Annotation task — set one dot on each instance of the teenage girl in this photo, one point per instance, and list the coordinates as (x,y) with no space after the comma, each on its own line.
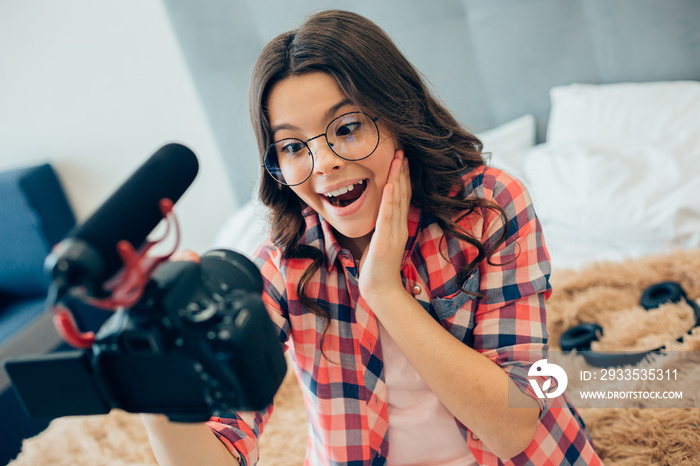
(407,279)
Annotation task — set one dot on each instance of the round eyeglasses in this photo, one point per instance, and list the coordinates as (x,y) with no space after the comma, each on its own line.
(351,136)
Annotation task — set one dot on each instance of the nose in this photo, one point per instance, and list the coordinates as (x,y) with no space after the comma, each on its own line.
(325,160)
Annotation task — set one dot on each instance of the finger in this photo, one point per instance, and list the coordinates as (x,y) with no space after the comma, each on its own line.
(406,192)
(400,203)
(401,170)
(185,255)
(398,200)
(396,167)
(386,210)
(392,196)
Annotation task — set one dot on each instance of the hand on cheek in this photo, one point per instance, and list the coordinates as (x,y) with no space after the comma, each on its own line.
(380,265)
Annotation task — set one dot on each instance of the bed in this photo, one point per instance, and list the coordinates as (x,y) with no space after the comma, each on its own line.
(579,177)
(610,153)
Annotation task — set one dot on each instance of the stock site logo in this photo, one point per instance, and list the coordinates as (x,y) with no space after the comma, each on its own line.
(544,369)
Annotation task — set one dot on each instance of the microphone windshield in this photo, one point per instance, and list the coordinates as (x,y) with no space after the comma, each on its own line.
(132,212)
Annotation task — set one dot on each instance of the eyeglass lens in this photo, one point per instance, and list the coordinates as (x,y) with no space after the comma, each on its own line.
(353,136)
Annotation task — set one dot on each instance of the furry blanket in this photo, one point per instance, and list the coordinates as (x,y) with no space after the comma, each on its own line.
(604,293)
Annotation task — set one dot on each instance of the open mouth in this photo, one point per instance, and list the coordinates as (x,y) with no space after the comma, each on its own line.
(346,196)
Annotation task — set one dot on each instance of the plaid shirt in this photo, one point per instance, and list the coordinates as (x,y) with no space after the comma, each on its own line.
(347,402)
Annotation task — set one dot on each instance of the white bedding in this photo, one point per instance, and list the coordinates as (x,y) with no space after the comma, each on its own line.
(611,204)
(619,175)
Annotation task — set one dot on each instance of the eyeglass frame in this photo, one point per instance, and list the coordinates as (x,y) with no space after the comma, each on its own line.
(330,146)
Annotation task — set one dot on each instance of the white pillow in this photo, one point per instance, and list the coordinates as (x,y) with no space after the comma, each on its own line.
(508,142)
(611,204)
(616,115)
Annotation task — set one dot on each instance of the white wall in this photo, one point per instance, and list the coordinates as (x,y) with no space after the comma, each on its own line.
(95,88)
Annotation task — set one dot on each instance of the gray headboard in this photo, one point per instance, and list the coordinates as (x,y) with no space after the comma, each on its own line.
(489,60)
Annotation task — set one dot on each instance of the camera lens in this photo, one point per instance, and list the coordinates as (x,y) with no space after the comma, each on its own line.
(225,270)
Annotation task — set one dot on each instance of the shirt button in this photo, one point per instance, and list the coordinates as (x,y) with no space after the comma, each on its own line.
(416,290)
(474,436)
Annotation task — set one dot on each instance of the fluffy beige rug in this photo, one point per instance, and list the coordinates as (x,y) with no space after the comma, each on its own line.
(604,293)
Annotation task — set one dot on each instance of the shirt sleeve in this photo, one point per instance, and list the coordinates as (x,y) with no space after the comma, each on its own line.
(510,322)
(240,438)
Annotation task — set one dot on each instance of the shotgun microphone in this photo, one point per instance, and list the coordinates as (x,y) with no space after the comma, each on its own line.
(88,256)
(199,326)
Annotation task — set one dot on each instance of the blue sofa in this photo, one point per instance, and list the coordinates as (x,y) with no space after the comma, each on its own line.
(34,215)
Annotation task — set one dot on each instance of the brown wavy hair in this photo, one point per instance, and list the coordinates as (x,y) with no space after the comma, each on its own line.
(376,77)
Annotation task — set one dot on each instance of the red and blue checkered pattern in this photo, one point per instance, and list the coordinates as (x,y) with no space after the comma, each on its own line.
(345,394)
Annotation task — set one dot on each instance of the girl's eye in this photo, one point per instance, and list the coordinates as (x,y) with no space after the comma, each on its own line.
(292,149)
(347,129)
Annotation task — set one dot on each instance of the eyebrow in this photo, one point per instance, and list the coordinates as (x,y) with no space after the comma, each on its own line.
(327,116)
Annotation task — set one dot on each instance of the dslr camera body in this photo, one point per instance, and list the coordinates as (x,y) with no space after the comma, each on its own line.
(198,342)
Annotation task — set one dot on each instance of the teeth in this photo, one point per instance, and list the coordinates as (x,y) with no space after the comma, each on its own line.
(341,191)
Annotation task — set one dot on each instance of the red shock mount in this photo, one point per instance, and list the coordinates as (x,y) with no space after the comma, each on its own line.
(126,287)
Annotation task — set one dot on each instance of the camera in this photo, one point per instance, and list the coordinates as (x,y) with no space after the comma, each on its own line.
(198,342)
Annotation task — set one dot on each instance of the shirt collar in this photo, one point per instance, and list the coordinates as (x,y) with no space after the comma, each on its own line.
(320,233)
